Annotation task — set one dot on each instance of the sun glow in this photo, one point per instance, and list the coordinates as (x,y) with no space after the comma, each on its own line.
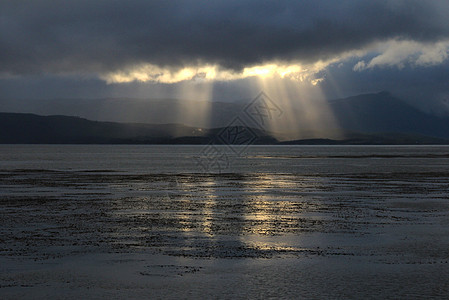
(153,73)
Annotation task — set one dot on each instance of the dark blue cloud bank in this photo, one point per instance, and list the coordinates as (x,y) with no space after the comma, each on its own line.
(149,48)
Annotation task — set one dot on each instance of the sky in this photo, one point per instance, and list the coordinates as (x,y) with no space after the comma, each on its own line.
(224,50)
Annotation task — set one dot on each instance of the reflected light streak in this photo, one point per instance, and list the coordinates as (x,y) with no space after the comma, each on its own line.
(196,199)
(263,212)
(210,195)
(205,198)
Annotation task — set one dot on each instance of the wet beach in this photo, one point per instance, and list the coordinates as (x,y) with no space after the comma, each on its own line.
(313,222)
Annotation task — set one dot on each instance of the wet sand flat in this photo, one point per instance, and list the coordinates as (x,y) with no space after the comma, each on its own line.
(115,233)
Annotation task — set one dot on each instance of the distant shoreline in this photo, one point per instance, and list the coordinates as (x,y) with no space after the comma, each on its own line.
(22,128)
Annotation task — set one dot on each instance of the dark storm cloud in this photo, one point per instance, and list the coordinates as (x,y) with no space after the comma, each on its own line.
(422,87)
(88,36)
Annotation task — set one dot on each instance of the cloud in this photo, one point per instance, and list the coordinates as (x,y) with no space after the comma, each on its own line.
(169,41)
(398,53)
(361,65)
(434,55)
(148,72)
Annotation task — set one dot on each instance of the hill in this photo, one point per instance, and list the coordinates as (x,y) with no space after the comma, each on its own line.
(362,118)
(35,129)
(384,113)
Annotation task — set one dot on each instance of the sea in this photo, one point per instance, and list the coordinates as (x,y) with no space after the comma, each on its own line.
(224,221)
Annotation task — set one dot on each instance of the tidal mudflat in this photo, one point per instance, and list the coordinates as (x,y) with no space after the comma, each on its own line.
(292,222)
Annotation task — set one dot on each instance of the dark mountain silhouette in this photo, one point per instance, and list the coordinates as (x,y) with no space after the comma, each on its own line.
(34,129)
(30,128)
(127,110)
(382,113)
(377,118)
(368,113)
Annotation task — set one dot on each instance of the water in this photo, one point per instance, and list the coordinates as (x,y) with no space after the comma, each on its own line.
(254,159)
(310,221)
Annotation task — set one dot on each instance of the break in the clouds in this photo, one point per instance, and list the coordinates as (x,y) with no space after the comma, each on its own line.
(172,41)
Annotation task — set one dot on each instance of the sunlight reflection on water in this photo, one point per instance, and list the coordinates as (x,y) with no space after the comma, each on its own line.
(383,211)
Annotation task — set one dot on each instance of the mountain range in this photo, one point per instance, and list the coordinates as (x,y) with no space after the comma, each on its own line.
(378,118)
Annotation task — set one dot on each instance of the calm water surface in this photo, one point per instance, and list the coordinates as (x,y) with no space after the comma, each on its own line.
(189,159)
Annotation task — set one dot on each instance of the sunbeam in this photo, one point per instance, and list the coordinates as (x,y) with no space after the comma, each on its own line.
(306,113)
(194,107)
